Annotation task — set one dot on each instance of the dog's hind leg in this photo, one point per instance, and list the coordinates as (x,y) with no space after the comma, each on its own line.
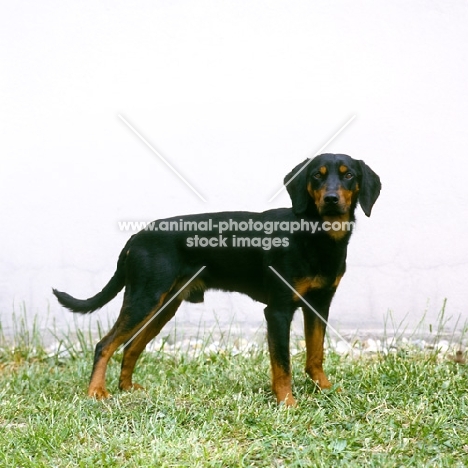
(136,311)
(135,348)
(103,352)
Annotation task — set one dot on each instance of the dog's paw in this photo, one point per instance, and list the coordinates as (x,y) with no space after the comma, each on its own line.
(100,393)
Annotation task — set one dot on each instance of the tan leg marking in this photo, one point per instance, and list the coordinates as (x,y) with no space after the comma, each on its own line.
(314,336)
(281,385)
(137,346)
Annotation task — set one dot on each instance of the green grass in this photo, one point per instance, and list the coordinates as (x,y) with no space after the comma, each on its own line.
(408,408)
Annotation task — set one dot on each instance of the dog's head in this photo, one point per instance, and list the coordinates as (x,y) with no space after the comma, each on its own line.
(332,184)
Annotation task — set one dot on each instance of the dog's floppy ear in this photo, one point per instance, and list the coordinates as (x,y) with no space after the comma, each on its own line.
(295,183)
(369,188)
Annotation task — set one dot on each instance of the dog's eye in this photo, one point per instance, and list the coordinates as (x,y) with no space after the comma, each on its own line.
(348,175)
(317,175)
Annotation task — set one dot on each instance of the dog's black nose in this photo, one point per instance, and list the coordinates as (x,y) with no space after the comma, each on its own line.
(331,198)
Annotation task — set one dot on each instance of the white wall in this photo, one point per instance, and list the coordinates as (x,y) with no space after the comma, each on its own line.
(234,94)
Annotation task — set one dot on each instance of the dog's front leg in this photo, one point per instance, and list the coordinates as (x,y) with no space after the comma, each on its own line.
(315,324)
(278,327)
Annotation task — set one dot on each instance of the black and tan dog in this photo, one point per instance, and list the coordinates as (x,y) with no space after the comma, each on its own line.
(155,265)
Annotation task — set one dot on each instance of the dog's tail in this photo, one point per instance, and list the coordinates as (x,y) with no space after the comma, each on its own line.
(110,290)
